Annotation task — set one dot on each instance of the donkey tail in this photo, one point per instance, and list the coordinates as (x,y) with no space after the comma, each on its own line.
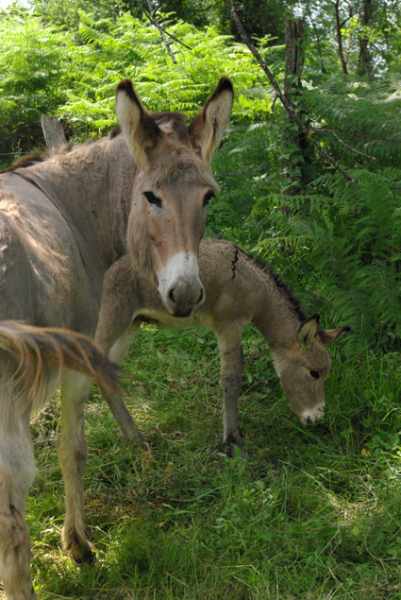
(34,351)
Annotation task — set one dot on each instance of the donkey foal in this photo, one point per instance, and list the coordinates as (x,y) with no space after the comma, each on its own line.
(238,291)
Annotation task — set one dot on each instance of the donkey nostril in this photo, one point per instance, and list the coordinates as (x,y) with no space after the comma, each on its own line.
(171,295)
(200,296)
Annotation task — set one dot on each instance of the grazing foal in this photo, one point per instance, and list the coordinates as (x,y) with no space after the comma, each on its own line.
(64,221)
(238,291)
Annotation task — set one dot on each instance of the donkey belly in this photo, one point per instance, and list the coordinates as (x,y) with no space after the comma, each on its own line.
(42,276)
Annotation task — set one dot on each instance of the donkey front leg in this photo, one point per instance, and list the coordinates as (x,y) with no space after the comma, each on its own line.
(229,339)
(72,455)
(16,475)
(118,352)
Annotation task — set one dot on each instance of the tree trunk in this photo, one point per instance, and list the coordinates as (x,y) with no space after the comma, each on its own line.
(298,154)
(340,45)
(365,58)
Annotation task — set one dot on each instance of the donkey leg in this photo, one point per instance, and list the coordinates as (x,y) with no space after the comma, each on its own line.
(72,455)
(17,472)
(129,430)
(229,339)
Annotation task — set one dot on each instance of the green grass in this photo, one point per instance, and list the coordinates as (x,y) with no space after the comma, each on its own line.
(311,513)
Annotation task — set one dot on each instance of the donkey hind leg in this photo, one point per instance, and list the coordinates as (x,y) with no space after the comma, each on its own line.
(129,430)
(72,455)
(229,339)
(17,471)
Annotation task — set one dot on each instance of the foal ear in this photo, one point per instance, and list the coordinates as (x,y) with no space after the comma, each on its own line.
(208,127)
(138,127)
(328,336)
(308,331)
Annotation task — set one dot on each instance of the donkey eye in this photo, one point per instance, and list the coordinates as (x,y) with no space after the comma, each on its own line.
(208,196)
(315,374)
(153,199)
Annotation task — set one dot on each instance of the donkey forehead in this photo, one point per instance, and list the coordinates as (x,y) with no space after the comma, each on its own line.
(316,356)
(182,173)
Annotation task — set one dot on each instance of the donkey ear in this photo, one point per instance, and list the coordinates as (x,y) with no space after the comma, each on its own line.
(328,336)
(308,331)
(208,127)
(139,129)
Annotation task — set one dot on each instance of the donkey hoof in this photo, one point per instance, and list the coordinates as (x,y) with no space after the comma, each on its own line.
(78,548)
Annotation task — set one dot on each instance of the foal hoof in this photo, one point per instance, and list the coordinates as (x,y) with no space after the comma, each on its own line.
(78,548)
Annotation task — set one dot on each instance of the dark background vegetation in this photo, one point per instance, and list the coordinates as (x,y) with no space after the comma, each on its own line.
(312,513)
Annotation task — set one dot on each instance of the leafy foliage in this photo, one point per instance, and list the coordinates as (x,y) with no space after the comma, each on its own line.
(75,75)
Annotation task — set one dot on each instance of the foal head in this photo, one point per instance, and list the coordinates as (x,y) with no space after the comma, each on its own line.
(172,188)
(304,367)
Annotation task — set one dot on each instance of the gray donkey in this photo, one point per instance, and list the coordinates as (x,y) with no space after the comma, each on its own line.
(64,221)
(238,291)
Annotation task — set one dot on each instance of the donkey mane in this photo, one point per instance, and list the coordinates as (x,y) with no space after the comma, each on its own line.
(283,289)
(27,160)
(37,156)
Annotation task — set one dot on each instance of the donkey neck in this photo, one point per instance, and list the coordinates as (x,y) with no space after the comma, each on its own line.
(91,185)
(278,314)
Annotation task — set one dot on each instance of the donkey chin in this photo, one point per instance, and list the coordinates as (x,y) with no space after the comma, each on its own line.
(311,415)
(179,285)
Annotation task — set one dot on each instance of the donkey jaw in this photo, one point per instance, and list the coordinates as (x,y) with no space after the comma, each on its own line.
(312,415)
(179,287)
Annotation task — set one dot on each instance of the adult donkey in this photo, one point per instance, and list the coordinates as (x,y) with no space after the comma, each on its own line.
(64,221)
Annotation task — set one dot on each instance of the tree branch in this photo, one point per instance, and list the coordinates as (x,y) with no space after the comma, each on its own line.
(262,63)
(164,34)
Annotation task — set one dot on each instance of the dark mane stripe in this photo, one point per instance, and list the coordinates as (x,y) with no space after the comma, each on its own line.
(281,286)
(36,156)
(27,160)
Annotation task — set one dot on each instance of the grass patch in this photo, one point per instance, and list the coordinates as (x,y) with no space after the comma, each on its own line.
(312,513)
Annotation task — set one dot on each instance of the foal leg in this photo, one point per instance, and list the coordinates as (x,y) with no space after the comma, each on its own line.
(72,455)
(115,343)
(120,412)
(229,340)
(119,301)
(17,472)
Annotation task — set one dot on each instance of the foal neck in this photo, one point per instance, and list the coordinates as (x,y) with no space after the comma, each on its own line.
(278,314)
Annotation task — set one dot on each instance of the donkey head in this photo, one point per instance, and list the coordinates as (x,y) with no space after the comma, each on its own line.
(172,188)
(304,366)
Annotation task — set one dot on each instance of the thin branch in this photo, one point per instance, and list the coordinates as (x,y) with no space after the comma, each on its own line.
(345,21)
(262,63)
(164,34)
(163,37)
(170,35)
(342,142)
(336,165)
